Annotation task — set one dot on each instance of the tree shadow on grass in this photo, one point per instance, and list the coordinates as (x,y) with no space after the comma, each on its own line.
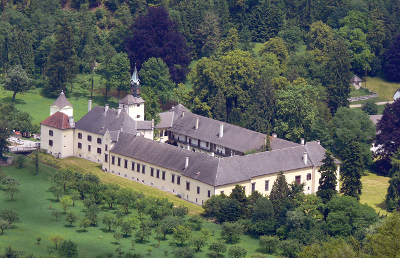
(68,226)
(105,230)
(382,205)
(81,230)
(52,200)
(17,101)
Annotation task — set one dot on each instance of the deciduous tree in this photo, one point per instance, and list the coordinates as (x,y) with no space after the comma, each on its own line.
(68,249)
(56,240)
(231,231)
(156,35)
(17,81)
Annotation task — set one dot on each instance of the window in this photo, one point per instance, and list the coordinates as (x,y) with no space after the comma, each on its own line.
(106,147)
(151,171)
(99,140)
(138,167)
(298,179)
(50,142)
(253,187)
(133,166)
(125,163)
(173,178)
(308,176)
(143,169)
(113,160)
(158,173)
(187,185)
(165,133)
(79,145)
(89,138)
(99,150)
(266,185)
(89,148)
(208,193)
(138,116)
(119,162)
(79,136)
(163,175)
(51,132)
(198,190)
(106,157)
(178,180)
(221,192)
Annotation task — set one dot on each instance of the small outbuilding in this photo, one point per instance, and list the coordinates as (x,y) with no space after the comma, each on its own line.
(356,81)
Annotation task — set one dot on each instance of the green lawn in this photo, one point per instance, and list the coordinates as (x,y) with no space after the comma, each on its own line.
(384,89)
(374,191)
(35,205)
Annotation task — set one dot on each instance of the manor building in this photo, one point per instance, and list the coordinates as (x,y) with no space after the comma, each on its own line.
(193,156)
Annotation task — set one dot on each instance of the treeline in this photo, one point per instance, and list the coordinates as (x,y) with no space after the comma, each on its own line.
(293,224)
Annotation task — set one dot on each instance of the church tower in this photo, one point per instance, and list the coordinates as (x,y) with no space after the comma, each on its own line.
(133,104)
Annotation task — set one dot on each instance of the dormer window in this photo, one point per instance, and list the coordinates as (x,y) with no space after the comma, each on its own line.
(138,105)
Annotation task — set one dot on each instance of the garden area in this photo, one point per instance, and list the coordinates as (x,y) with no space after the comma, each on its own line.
(43,220)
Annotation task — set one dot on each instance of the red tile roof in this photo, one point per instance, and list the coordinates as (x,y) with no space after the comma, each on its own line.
(58,120)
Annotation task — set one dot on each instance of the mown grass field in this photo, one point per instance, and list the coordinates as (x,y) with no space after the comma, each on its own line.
(374,191)
(384,89)
(35,205)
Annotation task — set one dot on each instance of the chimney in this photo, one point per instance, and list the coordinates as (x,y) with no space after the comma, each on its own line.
(183,113)
(197,123)
(89,105)
(221,130)
(274,135)
(212,154)
(187,162)
(71,121)
(152,123)
(305,158)
(106,108)
(302,141)
(318,141)
(119,111)
(187,147)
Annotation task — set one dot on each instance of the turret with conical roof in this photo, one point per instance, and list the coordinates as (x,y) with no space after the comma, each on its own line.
(62,104)
(133,104)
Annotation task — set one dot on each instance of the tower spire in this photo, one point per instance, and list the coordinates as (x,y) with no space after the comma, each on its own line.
(135,82)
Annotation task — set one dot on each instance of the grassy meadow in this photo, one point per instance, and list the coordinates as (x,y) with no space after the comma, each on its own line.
(35,205)
(374,191)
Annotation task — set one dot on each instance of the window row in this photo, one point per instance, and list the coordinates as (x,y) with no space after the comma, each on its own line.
(89,138)
(89,148)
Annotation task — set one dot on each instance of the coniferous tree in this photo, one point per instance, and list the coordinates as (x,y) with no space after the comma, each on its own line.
(21,49)
(62,61)
(279,197)
(328,180)
(338,75)
(351,171)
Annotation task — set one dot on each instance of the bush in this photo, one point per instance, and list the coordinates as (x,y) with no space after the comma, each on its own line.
(20,161)
(369,107)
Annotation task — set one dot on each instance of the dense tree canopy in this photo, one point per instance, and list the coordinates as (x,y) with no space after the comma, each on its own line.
(155,35)
(388,128)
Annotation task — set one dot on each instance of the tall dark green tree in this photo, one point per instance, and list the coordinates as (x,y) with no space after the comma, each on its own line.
(156,35)
(338,74)
(392,61)
(62,62)
(328,180)
(279,197)
(20,49)
(351,170)
(260,114)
